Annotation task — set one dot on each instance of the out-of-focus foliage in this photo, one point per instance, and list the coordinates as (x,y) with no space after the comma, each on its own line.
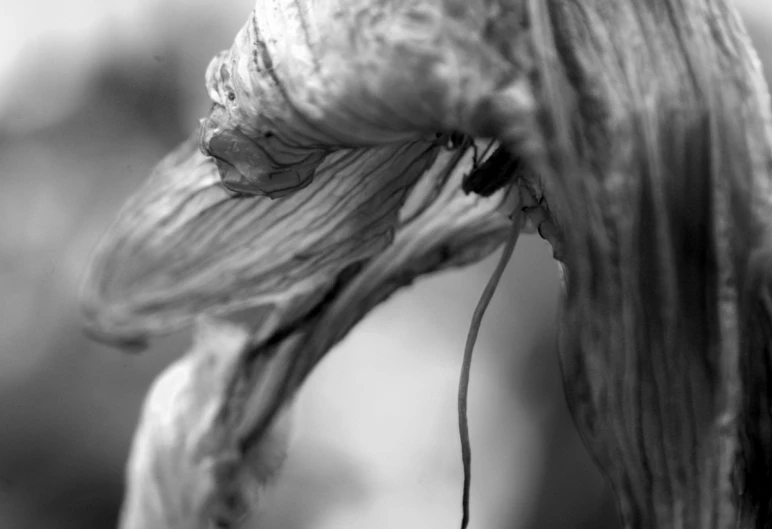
(92,94)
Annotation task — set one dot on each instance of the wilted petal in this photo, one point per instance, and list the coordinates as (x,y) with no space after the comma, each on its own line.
(179,457)
(214,425)
(184,245)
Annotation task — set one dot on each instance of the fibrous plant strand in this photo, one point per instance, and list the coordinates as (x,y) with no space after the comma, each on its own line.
(466,365)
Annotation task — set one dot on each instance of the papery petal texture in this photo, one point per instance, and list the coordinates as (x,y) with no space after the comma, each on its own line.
(184,245)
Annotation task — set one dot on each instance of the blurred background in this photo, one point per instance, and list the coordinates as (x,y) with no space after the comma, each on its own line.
(92,94)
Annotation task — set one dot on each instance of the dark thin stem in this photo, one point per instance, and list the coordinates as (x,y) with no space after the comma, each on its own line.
(463,384)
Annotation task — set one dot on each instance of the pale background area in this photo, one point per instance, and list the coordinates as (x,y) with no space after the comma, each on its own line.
(92,94)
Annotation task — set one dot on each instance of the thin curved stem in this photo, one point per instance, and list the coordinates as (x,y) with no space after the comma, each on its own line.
(463,384)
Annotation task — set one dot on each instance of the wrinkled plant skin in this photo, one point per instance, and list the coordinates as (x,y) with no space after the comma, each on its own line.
(301,79)
(648,123)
